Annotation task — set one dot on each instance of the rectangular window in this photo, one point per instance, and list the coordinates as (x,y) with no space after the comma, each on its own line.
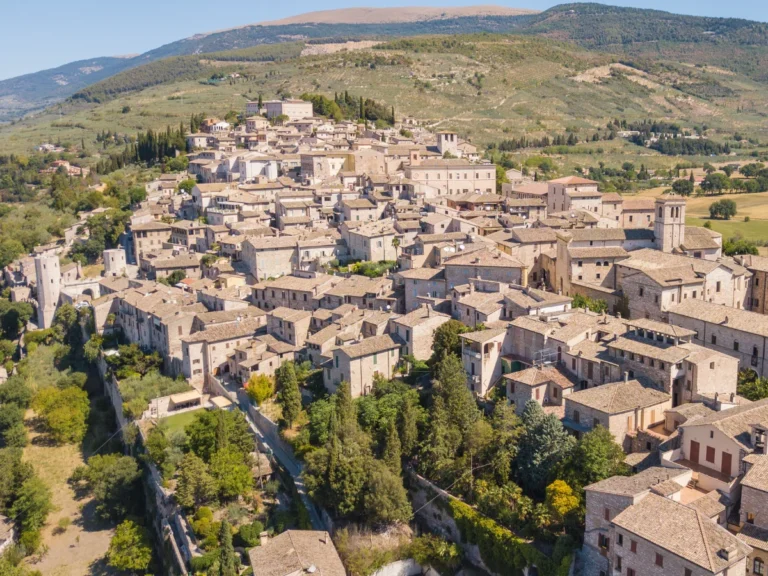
(714,339)
(633,546)
(659,560)
(735,346)
(375,358)
(620,539)
(630,572)
(711,454)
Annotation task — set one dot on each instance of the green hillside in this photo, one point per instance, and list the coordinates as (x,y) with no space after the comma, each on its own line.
(488,87)
(730,44)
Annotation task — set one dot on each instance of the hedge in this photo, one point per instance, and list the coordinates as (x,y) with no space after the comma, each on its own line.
(502,552)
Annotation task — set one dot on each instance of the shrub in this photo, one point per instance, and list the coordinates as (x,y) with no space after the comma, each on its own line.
(248,535)
(260,388)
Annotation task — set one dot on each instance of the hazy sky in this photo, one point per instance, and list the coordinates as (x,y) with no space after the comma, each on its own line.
(49,33)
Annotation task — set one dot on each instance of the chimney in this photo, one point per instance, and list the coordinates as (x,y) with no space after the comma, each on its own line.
(626,376)
(325,538)
(263,538)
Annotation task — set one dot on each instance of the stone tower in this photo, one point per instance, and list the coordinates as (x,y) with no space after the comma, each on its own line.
(48,276)
(669,223)
(448,142)
(114,262)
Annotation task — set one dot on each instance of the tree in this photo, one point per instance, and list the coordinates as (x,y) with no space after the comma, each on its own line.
(753,388)
(260,388)
(289,396)
(722,209)
(385,500)
(446,340)
(595,457)
(736,246)
(560,500)
(506,432)
(130,549)
(683,187)
(64,413)
(113,480)
(231,473)
(228,562)
(209,429)
(716,182)
(195,486)
(451,382)
(408,428)
(544,443)
(187,185)
(32,505)
(92,348)
(391,454)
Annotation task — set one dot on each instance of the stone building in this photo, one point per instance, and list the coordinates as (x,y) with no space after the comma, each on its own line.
(737,333)
(621,407)
(358,363)
(417,330)
(545,385)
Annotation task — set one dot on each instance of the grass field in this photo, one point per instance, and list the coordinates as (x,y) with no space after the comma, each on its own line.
(755,230)
(179,421)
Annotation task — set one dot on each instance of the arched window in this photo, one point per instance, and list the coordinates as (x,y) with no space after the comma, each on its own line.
(758,566)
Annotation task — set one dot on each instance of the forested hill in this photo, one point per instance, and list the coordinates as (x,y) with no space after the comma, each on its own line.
(734,44)
(596,25)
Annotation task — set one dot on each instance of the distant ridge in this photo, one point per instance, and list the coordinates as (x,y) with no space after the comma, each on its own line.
(393,15)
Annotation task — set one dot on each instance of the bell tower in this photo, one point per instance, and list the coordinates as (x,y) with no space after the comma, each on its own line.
(669,222)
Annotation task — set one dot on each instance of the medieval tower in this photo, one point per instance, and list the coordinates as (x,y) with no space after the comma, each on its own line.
(48,277)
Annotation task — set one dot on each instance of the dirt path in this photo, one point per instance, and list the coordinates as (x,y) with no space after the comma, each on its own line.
(78,550)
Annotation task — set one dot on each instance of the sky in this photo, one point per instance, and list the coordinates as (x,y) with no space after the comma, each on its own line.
(46,34)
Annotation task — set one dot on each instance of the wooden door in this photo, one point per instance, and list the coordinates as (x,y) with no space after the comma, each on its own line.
(725,466)
(694,452)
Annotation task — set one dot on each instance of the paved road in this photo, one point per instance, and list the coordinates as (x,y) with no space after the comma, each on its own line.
(287,460)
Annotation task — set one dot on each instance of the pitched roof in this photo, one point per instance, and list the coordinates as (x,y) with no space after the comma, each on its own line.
(572,180)
(734,318)
(485,257)
(598,252)
(297,551)
(537,376)
(697,238)
(682,530)
(423,274)
(736,422)
(619,397)
(372,345)
(636,484)
(220,332)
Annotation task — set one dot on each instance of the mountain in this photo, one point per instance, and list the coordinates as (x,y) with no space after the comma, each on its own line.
(32,92)
(400,14)
(639,36)
(24,94)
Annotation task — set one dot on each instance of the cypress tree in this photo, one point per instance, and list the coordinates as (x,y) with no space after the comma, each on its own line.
(289,395)
(227,560)
(392,454)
